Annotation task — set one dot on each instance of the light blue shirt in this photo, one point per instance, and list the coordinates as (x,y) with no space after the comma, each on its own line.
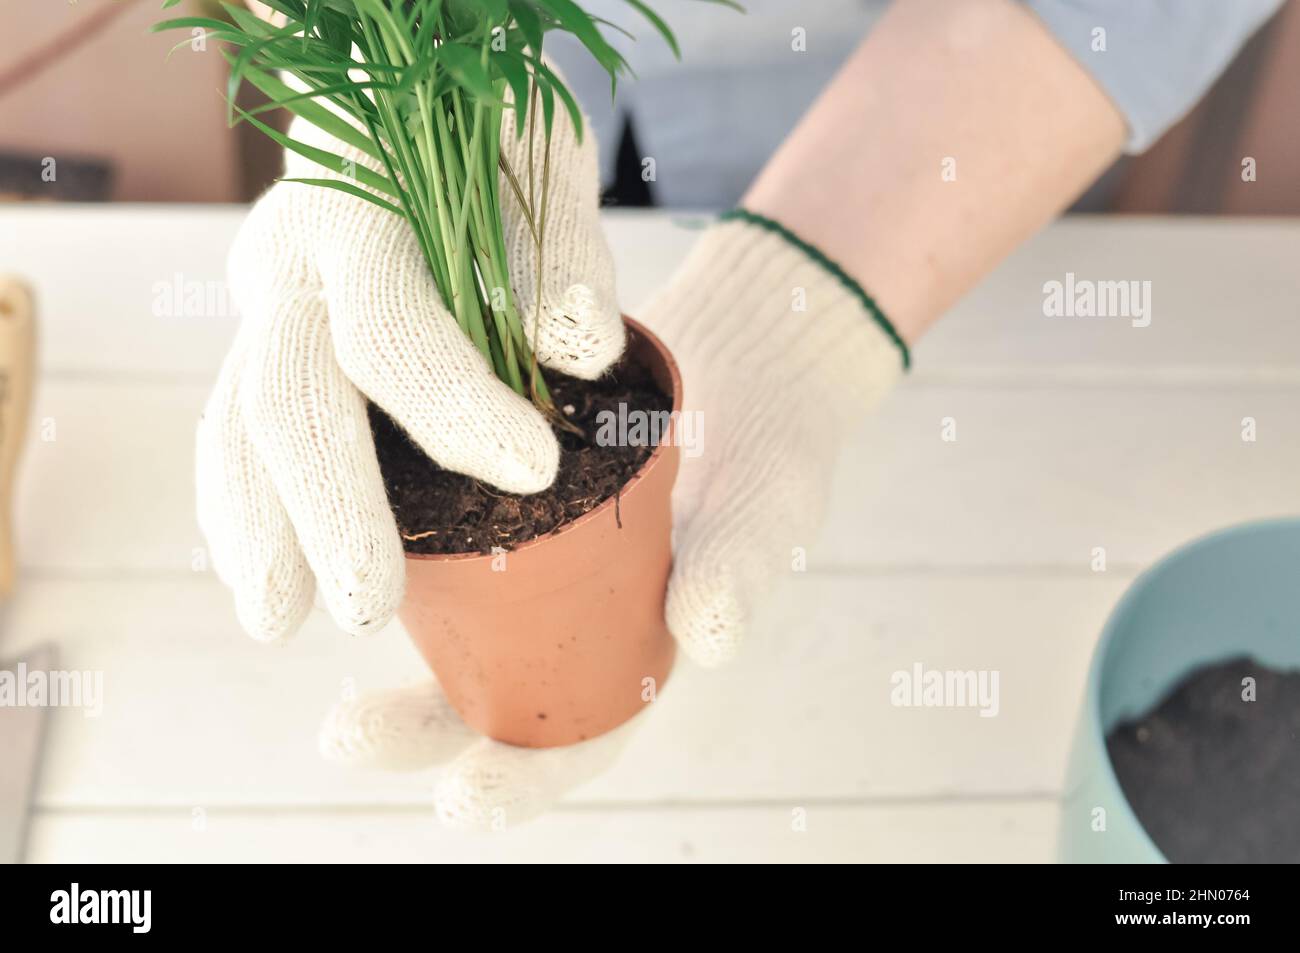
(711,121)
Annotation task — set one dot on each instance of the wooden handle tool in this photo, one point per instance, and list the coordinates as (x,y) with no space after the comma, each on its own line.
(17,371)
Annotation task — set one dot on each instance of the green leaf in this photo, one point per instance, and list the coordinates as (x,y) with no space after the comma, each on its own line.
(658,23)
(237,67)
(235,39)
(497,10)
(388,24)
(252,24)
(466,19)
(576,20)
(293,10)
(190,23)
(464,65)
(421,104)
(329,160)
(549,81)
(547,97)
(318,115)
(350,189)
(530,24)
(614,26)
(513,67)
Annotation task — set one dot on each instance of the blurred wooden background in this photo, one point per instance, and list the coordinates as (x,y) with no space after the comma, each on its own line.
(1252,112)
(86,84)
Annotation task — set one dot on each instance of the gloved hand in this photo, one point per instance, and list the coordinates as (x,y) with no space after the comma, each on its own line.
(780,354)
(339,305)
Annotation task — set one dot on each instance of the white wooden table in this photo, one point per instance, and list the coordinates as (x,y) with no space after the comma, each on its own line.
(973,554)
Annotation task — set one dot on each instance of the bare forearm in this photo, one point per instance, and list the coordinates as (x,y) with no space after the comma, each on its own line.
(954,132)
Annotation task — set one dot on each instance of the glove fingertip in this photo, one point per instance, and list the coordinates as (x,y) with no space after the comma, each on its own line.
(363,608)
(400,729)
(273,616)
(530,473)
(707,617)
(580,335)
(512,446)
(361,568)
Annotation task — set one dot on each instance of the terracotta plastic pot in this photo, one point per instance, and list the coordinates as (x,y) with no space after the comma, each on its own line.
(563,638)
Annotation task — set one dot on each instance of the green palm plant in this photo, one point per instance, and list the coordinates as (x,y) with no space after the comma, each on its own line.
(421,87)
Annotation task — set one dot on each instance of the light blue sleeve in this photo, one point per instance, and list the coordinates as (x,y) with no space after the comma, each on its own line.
(1154,58)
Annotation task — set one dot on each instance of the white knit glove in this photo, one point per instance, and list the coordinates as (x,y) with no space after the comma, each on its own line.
(777,388)
(339,305)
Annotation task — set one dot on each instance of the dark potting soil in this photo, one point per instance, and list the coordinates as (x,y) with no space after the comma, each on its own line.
(1215,778)
(441,512)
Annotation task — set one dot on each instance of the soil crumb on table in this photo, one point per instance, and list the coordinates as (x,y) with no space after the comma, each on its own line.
(440,512)
(1215,778)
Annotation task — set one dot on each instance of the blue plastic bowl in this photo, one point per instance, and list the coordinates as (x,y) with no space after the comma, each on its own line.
(1235,592)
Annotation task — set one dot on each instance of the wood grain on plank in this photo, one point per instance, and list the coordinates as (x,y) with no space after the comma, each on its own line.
(977,832)
(1224,293)
(1036,477)
(195,713)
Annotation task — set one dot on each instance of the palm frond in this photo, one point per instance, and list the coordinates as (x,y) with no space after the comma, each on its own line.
(419,89)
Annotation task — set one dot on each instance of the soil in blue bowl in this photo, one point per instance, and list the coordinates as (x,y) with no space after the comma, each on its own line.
(1213,772)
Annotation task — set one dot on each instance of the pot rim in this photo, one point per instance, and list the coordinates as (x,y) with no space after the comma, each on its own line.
(674,374)
(1118,615)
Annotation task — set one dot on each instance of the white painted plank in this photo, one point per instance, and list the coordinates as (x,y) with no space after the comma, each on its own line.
(1225,297)
(1039,476)
(196,715)
(107,480)
(199,717)
(1036,476)
(957,832)
(96,270)
(1224,293)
